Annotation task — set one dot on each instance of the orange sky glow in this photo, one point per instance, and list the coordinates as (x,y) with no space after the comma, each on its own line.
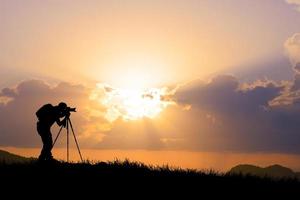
(189,83)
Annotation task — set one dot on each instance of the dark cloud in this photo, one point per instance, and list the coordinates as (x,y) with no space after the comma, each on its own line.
(297,68)
(244,119)
(17,117)
(223,94)
(296,83)
(8,92)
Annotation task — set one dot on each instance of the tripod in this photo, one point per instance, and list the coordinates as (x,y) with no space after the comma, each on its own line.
(68,123)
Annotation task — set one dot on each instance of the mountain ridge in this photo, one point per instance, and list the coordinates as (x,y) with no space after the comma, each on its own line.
(276,171)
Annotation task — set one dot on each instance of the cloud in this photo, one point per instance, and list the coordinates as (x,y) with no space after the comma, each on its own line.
(297,68)
(241,117)
(17,116)
(223,94)
(296,3)
(220,115)
(131,104)
(292,46)
(291,94)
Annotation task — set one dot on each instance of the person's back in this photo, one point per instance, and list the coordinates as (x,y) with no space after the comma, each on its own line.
(47,115)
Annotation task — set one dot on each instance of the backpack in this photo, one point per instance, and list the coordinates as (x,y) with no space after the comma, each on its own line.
(44,111)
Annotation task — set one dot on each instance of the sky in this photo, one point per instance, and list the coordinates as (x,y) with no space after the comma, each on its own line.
(153,77)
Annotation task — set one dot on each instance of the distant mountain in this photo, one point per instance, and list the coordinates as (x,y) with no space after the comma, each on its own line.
(11,158)
(276,171)
(298,175)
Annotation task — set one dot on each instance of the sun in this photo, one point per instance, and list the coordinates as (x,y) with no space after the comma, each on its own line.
(138,104)
(131,103)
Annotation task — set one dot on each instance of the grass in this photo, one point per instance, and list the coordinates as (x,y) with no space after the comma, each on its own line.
(110,168)
(119,174)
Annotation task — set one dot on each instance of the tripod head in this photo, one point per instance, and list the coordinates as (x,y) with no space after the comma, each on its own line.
(67,112)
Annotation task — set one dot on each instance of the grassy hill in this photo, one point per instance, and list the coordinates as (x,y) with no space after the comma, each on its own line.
(131,177)
(6,157)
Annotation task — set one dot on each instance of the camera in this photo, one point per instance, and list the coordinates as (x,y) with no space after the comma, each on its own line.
(69,109)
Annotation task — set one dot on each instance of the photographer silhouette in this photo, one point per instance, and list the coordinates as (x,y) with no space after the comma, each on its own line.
(47,116)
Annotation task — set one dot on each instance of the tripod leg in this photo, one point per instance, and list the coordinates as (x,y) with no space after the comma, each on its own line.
(75,140)
(68,120)
(57,136)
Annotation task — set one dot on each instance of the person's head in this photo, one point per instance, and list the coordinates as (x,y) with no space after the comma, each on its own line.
(62,107)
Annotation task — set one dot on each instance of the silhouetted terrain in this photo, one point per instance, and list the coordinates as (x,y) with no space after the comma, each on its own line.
(275,171)
(137,177)
(6,157)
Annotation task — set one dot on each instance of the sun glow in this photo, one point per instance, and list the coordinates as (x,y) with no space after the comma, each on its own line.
(138,104)
(133,103)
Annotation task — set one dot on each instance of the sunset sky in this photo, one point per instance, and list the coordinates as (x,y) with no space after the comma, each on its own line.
(200,84)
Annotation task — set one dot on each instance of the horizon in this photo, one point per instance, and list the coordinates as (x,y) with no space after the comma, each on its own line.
(220,162)
(196,84)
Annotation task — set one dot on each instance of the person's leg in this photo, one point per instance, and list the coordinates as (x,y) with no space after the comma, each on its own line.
(46,137)
(44,149)
(48,146)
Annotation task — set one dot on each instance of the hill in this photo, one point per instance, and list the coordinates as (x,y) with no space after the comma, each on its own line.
(127,179)
(7,157)
(276,171)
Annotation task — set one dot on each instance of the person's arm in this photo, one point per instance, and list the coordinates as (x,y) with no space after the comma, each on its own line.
(61,122)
